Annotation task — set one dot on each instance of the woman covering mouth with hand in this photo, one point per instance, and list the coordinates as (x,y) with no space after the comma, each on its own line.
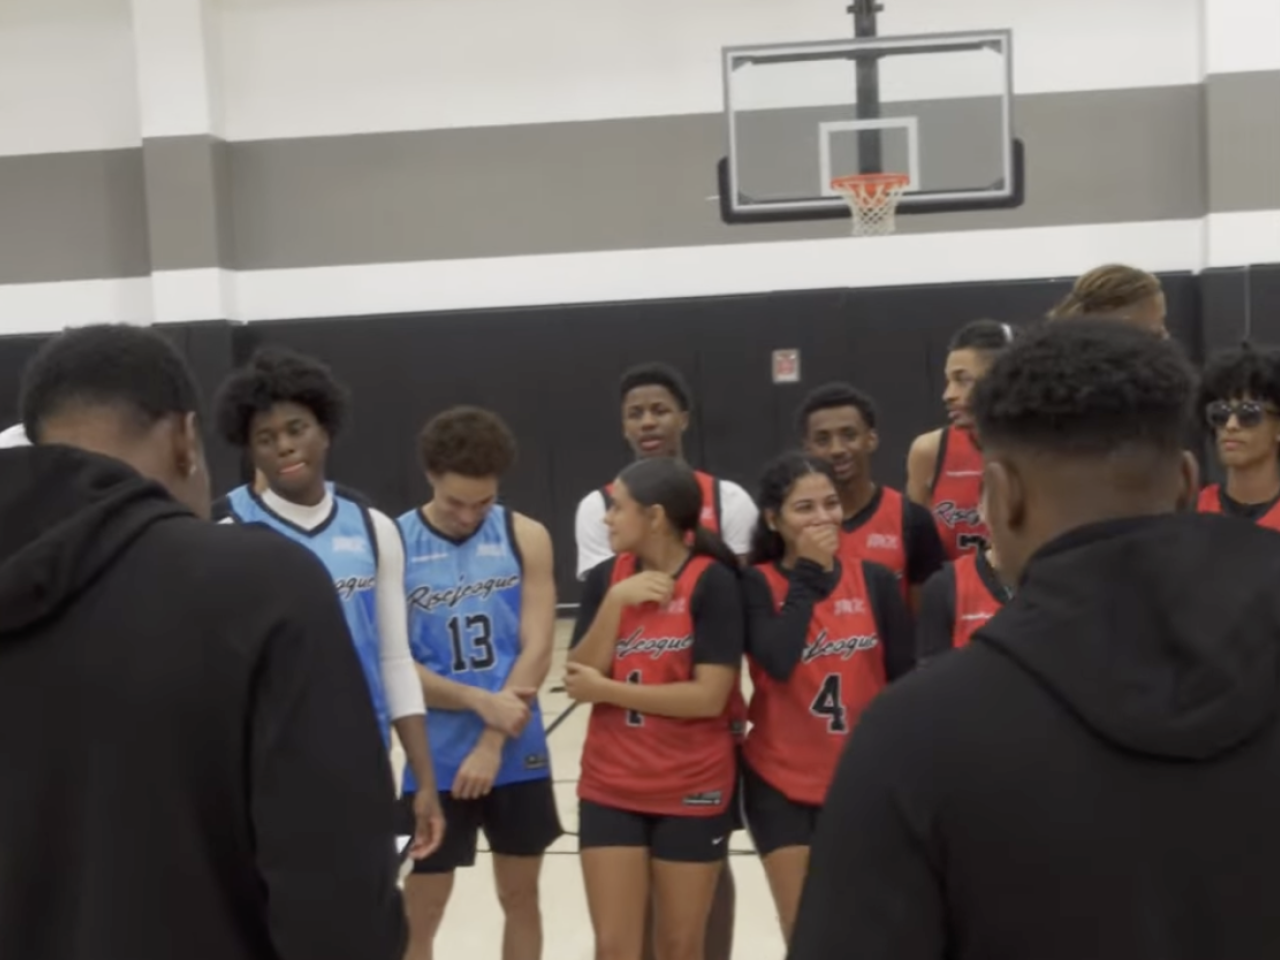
(284,410)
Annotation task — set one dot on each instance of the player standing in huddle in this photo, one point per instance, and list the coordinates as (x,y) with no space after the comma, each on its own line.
(944,466)
(824,636)
(482,604)
(1119,292)
(1240,396)
(285,409)
(958,600)
(660,642)
(656,403)
(655,415)
(838,424)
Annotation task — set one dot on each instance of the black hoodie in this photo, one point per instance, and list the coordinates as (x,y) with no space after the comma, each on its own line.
(189,763)
(1097,777)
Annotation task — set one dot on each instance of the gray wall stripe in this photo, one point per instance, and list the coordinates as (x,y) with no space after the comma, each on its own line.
(73,216)
(1243,141)
(188,202)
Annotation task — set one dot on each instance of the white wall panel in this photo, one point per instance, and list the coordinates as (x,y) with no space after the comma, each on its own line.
(1242,35)
(321,67)
(67,77)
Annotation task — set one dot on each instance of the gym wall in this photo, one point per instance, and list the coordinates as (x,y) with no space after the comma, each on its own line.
(180,160)
(507,203)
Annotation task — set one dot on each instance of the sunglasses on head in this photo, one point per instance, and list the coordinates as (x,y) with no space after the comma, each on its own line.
(1248,413)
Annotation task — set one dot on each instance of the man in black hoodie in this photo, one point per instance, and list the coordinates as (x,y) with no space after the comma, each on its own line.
(1097,776)
(189,762)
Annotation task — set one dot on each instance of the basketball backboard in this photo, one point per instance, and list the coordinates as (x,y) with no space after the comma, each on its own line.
(936,107)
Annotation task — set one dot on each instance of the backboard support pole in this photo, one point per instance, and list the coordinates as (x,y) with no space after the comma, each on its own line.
(867,79)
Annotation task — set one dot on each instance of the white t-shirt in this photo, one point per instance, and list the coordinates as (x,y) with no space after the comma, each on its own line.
(738,515)
(399,673)
(13,437)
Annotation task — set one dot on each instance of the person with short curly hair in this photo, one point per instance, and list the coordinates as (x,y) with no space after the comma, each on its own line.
(285,410)
(190,767)
(482,606)
(1097,773)
(1240,397)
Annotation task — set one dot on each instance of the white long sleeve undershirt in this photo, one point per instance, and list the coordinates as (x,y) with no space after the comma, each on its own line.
(399,673)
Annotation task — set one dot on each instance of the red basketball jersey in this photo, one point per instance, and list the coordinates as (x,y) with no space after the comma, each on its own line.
(975,603)
(710,517)
(799,728)
(879,538)
(650,764)
(1211,502)
(957,488)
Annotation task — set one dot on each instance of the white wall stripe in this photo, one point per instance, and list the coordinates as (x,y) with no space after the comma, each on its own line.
(1223,240)
(42,307)
(1235,239)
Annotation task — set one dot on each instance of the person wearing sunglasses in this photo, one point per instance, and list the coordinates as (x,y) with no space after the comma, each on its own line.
(1240,396)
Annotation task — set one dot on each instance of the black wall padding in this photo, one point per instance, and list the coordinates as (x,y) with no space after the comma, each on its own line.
(553,371)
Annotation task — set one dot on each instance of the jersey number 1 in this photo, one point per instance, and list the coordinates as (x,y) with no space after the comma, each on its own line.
(480,632)
(829,705)
(634,717)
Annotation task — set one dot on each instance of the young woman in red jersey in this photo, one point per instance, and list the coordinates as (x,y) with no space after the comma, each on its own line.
(1240,396)
(823,639)
(944,466)
(658,647)
(958,600)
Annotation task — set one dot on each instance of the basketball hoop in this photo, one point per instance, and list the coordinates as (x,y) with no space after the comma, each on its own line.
(873,200)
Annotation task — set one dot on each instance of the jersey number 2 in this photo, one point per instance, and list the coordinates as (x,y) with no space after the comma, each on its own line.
(480,633)
(829,705)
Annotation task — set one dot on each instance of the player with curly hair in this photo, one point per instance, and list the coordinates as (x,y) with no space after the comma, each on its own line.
(1109,741)
(482,605)
(1240,397)
(285,410)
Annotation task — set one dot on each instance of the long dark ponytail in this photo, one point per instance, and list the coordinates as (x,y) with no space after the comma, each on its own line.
(670,484)
(776,483)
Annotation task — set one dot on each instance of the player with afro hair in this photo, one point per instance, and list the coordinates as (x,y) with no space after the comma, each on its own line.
(284,409)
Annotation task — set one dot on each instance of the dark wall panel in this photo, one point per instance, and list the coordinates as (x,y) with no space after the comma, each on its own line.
(552,372)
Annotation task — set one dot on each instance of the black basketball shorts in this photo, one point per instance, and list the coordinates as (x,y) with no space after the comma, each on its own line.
(774,819)
(679,839)
(518,819)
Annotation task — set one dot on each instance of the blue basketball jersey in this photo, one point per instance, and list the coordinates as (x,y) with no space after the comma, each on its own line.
(464,624)
(347,546)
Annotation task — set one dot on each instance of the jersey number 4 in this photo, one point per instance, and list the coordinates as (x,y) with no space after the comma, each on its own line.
(829,705)
(479,633)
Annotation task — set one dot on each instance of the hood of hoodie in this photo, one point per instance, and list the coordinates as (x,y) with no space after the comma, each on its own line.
(1162,635)
(64,516)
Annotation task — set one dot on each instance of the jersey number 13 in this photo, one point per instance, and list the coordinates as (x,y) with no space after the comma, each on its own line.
(472,643)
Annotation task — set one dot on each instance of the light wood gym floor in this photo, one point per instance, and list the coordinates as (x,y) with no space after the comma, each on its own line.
(472,925)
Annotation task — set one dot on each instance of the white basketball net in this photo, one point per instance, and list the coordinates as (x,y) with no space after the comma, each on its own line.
(873,201)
